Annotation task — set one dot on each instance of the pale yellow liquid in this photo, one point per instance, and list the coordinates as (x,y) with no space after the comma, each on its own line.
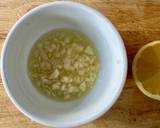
(63,64)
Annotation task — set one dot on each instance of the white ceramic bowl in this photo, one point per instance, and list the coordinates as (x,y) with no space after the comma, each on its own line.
(63,15)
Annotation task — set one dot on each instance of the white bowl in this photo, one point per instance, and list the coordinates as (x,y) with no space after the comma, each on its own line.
(63,15)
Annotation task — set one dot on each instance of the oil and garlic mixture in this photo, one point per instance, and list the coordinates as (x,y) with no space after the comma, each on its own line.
(63,64)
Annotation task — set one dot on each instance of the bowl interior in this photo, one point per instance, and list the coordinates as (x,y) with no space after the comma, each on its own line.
(106,40)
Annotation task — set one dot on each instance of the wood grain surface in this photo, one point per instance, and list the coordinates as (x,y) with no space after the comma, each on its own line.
(138,22)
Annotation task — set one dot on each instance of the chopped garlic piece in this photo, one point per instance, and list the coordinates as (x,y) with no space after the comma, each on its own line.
(82,86)
(89,50)
(55,74)
(66,79)
(55,86)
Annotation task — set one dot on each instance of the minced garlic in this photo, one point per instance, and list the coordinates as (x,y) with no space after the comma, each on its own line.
(63,64)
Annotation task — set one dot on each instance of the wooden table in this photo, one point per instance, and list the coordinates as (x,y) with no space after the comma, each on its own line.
(138,22)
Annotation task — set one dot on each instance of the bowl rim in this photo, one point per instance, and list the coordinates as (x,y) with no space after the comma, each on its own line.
(30,115)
